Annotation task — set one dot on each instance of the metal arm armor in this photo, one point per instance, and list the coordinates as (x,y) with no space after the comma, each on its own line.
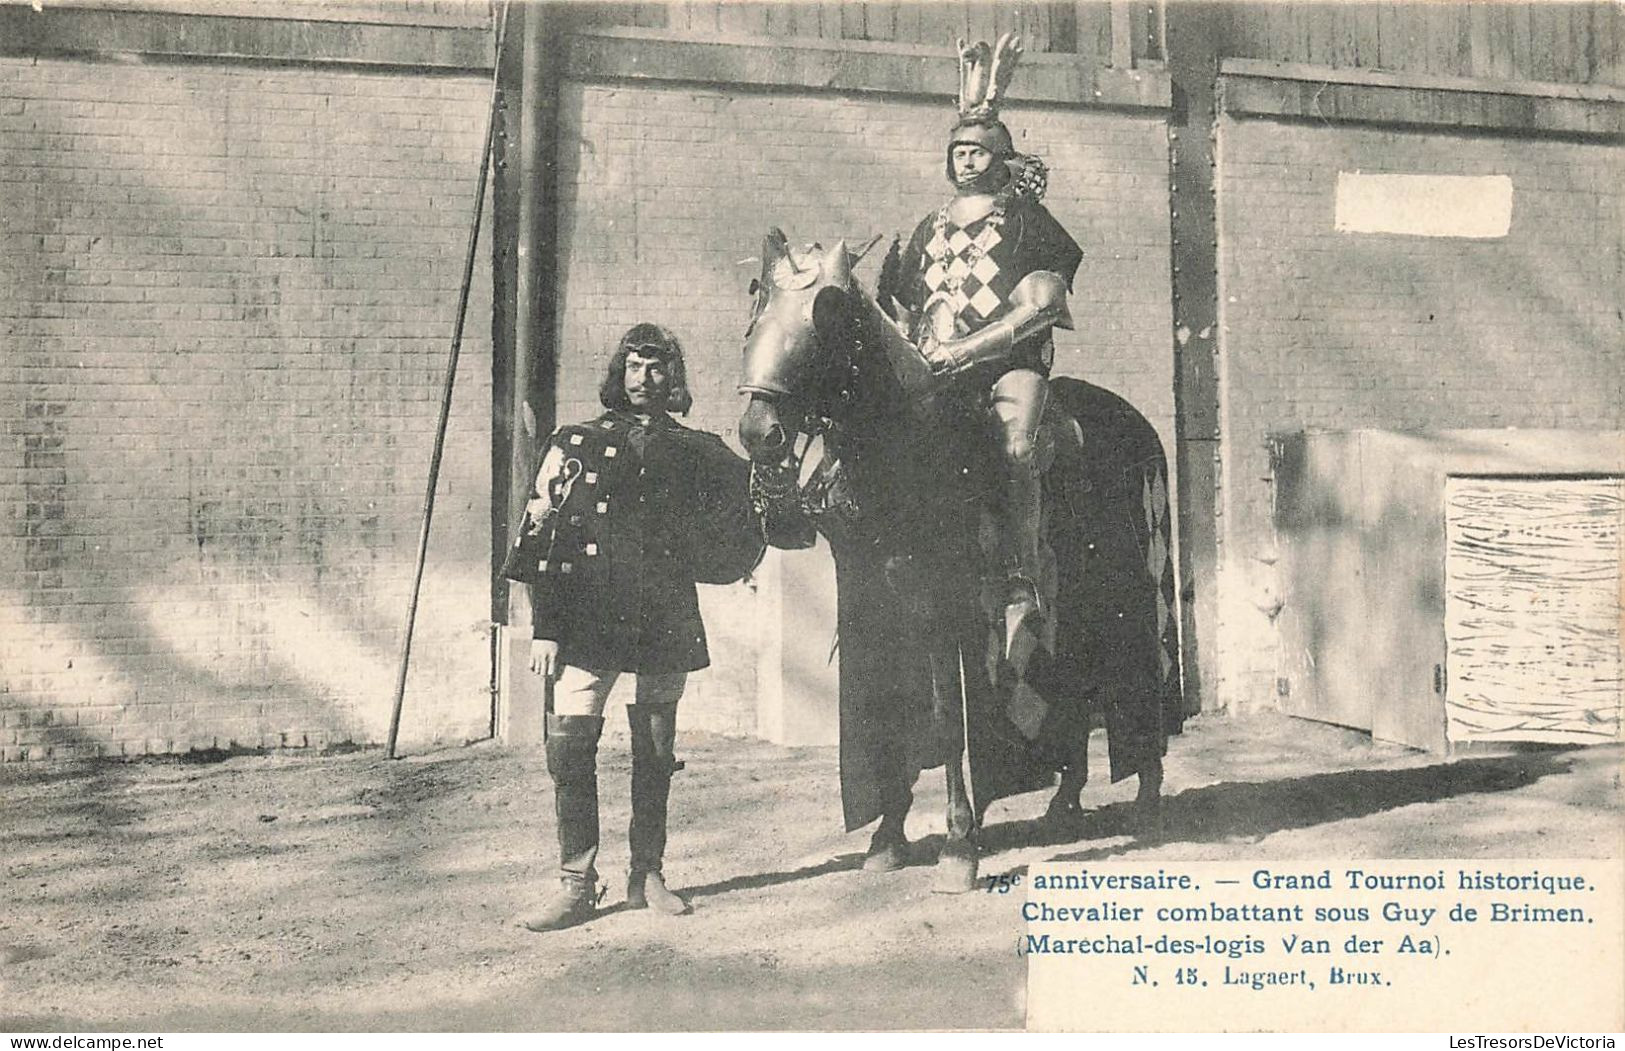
(1037,304)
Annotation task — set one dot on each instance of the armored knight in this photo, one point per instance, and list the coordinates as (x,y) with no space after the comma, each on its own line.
(982,283)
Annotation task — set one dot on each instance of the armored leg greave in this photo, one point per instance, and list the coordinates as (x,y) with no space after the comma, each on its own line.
(1019,399)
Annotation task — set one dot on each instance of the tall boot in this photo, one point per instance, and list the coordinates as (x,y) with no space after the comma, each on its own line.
(572,759)
(654,760)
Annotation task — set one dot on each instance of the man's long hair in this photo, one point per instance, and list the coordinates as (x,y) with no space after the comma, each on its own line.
(650,341)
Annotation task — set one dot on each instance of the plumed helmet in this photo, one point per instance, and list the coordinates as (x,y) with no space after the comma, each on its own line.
(984,77)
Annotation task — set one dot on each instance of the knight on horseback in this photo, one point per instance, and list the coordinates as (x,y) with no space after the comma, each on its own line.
(980,287)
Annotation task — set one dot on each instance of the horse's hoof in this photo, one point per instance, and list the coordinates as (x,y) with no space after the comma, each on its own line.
(956,871)
(1150,821)
(887,857)
(1064,816)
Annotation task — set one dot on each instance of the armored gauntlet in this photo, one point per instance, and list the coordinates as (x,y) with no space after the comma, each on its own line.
(1037,304)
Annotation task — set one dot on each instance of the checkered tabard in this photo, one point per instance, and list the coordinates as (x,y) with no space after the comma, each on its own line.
(963,267)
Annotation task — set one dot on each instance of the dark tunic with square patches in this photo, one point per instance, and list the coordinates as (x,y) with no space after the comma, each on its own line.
(606,553)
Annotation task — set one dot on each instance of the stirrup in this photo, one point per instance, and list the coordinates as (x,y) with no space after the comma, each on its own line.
(1021,587)
(1023,621)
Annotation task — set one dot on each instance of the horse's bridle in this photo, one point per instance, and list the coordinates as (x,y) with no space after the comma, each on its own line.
(777,491)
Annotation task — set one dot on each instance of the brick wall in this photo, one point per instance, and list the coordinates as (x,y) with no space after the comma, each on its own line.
(225,299)
(1336,331)
(667,191)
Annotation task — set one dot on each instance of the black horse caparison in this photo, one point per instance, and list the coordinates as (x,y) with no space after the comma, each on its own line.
(927,675)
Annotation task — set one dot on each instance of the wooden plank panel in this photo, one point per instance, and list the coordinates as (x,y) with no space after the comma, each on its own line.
(1094,30)
(837,66)
(1423,19)
(704,16)
(780,20)
(829,19)
(1006,18)
(1518,26)
(650,14)
(1478,44)
(1502,19)
(1325,35)
(1542,42)
(1325,622)
(1291,27)
(1063,26)
(1564,64)
(754,16)
(1532,610)
(1249,30)
(1257,31)
(57,30)
(1387,30)
(1447,39)
(908,22)
(1462,65)
(1035,29)
(800,20)
(1402,44)
(1140,25)
(852,19)
(984,23)
(1360,26)
(692,16)
(1595,43)
(1579,68)
(1122,35)
(605,14)
(942,23)
(880,20)
(1608,29)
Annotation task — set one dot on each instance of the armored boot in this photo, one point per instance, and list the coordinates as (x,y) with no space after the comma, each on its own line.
(572,759)
(654,738)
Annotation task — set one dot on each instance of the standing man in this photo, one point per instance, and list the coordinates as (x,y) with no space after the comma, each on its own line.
(627,512)
(982,283)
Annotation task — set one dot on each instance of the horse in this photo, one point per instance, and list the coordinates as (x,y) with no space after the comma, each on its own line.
(930,674)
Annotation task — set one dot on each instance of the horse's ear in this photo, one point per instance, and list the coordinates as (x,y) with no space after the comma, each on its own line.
(832,313)
(903,318)
(775,246)
(837,264)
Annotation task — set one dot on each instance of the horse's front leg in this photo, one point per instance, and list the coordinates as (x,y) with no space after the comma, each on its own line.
(1065,812)
(957,865)
(889,846)
(1148,812)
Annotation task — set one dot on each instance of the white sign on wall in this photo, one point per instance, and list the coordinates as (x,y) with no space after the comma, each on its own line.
(1478,206)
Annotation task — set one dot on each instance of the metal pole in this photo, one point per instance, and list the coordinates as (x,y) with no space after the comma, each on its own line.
(445,397)
(527,321)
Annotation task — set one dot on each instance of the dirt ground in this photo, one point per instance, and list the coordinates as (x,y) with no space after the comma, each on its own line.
(344,892)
